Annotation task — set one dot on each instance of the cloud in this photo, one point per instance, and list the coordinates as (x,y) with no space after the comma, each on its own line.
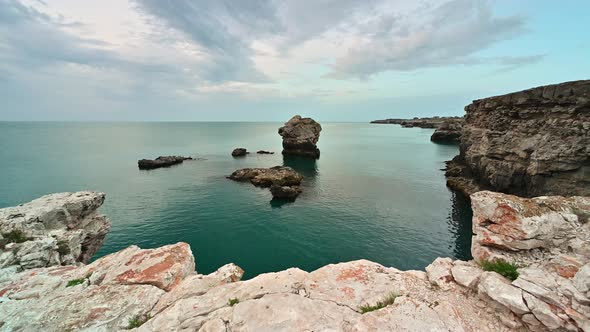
(449,34)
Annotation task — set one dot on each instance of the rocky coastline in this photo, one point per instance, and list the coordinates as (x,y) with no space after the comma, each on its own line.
(528,143)
(447,129)
(159,289)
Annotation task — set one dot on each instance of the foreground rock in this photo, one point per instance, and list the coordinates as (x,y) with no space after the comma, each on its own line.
(300,136)
(432,122)
(162,161)
(239,152)
(159,290)
(283,181)
(56,229)
(547,237)
(529,143)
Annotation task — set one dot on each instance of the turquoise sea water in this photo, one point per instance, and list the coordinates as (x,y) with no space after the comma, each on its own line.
(377,192)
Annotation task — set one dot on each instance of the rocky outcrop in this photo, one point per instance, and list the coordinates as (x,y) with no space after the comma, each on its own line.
(159,289)
(300,136)
(449,131)
(265,152)
(547,238)
(162,161)
(239,152)
(431,122)
(57,229)
(529,143)
(283,181)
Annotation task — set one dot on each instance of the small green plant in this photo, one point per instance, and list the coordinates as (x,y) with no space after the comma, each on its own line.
(16,236)
(75,282)
(501,267)
(63,248)
(137,321)
(389,299)
(233,301)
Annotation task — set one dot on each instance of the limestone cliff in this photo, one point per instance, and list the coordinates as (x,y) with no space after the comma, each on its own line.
(159,290)
(529,143)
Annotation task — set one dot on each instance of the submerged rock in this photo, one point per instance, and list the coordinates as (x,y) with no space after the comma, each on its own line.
(162,161)
(239,152)
(300,136)
(529,143)
(55,229)
(283,181)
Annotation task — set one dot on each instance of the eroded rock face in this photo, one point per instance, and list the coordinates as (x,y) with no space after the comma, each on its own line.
(57,229)
(162,161)
(283,181)
(449,131)
(529,143)
(300,136)
(547,237)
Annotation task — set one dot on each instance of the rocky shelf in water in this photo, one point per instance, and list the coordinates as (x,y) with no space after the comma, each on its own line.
(162,161)
(448,129)
(159,289)
(283,181)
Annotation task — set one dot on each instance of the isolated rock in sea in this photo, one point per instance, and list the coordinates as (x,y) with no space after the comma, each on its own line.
(162,161)
(285,192)
(159,289)
(300,136)
(529,143)
(283,181)
(239,152)
(265,152)
(55,229)
(449,131)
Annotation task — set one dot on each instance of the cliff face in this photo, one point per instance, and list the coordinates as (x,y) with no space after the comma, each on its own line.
(529,143)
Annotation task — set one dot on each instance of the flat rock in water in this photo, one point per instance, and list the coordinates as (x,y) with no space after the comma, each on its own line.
(239,152)
(265,152)
(283,179)
(162,161)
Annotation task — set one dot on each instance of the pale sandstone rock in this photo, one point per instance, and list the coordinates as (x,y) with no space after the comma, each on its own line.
(466,275)
(500,290)
(439,272)
(543,312)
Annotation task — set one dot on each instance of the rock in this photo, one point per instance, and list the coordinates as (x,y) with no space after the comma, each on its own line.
(427,122)
(449,131)
(498,288)
(439,272)
(265,152)
(466,275)
(283,181)
(285,192)
(529,143)
(57,229)
(239,152)
(300,136)
(162,161)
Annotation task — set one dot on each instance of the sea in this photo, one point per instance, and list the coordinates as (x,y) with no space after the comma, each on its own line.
(377,192)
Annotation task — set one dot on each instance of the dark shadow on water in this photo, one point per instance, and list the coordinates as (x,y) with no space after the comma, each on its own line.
(306,166)
(276,203)
(459,220)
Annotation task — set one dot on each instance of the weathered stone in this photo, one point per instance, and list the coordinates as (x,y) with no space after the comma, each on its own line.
(529,143)
(449,131)
(282,180)
(542,312)
(239,152)
(59,229)
(162,161)
(439,272)
(499,289)
(285,192)
(300,136)
(466,275)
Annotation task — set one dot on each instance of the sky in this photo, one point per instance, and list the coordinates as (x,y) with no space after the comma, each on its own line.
(266,60)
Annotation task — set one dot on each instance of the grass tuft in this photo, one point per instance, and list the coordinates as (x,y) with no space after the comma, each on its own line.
(137,321)
(233,301)
(63,248)
(389,299)
(75,282)
(501,267)
(16,236)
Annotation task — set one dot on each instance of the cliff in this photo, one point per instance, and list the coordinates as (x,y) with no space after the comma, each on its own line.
(529,143)
(159,289)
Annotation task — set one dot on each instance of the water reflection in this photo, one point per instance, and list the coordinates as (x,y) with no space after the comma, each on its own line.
(459,221)
(306,166)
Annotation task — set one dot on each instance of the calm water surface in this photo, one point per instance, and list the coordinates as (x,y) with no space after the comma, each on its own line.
(377,191)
